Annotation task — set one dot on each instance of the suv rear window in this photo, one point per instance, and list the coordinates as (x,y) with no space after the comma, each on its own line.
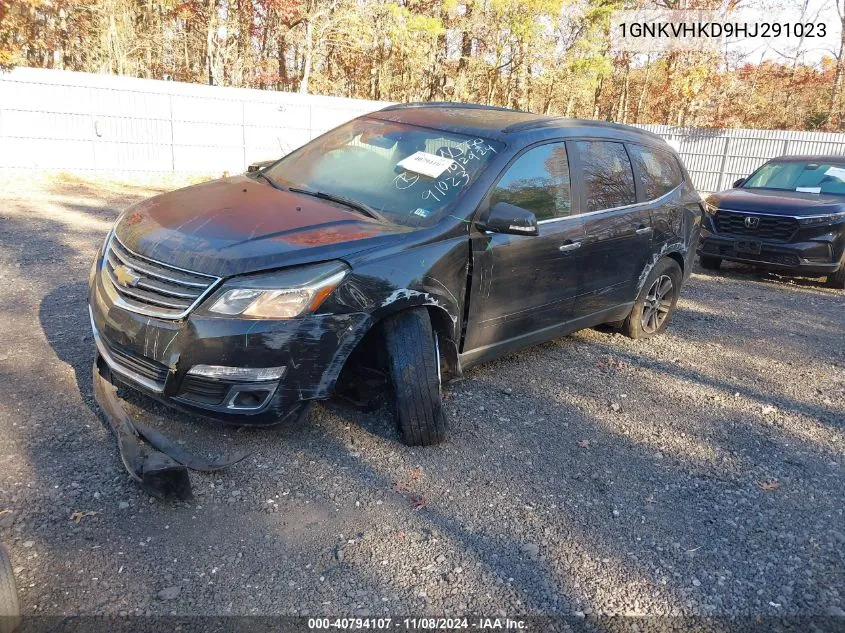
(608,177)
(659,172)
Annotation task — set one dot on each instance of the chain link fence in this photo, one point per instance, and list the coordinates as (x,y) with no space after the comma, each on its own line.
(80,122)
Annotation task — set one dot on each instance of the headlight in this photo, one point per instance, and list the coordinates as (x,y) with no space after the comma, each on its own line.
(830,218)
(280,295)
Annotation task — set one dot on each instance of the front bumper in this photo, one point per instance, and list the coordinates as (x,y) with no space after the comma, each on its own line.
(809,258)
(155,356)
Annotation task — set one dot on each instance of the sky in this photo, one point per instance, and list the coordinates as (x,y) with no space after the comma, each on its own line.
(780,49)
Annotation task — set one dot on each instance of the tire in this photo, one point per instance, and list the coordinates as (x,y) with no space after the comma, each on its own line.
(413,367)
(837,279)
(656,302)
(710,263)
(9,609)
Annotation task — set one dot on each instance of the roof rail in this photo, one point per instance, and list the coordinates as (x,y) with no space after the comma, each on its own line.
(559,120)
(447,104)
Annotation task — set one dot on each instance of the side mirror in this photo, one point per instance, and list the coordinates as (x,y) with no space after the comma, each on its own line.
(738,183)
(509,218)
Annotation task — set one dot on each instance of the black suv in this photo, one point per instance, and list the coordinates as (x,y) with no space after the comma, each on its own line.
(788,215)
(414,241)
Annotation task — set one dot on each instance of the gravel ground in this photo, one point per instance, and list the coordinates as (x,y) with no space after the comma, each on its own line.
(699,473)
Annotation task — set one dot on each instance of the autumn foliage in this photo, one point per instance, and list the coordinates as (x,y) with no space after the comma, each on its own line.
(549,56)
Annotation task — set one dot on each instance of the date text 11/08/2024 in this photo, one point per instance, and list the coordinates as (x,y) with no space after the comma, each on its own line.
(414,624)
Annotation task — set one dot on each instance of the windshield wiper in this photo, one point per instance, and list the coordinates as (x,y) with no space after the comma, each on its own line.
(270,181)
(352,204)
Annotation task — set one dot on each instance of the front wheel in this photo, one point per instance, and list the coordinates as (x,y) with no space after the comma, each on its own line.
(837,279)
(414,369)
(656,301)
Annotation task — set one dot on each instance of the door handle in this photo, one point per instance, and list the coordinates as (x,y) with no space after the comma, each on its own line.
(571,246)
(643,230)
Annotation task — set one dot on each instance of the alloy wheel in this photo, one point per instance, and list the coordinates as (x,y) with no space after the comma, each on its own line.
(657,304)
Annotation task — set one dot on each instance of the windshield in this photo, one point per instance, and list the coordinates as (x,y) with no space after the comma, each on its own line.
(802,176)
(406,173)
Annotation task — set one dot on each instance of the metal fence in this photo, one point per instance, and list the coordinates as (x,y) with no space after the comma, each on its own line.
(60,120)
(84,122)
(716,158)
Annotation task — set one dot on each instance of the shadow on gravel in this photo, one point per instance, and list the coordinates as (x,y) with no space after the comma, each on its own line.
(63,315)
(559,497)
(549,502)
(825,414)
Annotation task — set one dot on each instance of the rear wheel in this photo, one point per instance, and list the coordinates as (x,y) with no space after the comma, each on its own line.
(656,301)
(414,369)
(9,608)
(710,263)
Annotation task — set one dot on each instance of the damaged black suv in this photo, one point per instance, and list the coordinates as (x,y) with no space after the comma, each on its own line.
(410,243)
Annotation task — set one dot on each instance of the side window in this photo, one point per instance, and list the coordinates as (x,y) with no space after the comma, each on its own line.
(659,171)
(608,178)
(538,181)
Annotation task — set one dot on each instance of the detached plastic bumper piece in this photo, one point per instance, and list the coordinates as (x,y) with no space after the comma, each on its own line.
(156,462)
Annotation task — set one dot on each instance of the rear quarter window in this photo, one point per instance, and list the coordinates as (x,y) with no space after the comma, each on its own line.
(658,171)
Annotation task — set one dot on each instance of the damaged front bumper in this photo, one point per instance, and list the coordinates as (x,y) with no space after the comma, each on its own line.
(240,371)
(157,463)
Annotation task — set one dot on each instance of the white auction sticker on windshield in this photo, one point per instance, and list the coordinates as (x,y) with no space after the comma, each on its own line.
(836,172)
(430,165)
(808,189)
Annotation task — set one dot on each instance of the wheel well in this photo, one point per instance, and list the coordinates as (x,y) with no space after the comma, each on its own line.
(444,329)
(370,350)
(678,258)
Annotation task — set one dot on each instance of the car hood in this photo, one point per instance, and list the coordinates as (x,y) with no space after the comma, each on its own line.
(238,225)
(777,202)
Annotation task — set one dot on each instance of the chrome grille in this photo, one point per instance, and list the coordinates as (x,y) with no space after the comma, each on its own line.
(150,287)
(134,362)
(768,227)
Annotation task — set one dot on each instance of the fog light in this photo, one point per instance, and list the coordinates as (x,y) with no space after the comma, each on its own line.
(249,399)
(222,372)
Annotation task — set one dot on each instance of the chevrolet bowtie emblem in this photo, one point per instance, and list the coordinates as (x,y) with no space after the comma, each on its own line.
(126,277)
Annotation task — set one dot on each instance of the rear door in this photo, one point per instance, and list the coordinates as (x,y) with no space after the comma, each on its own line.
(520,283)
(618,231)
(659,178)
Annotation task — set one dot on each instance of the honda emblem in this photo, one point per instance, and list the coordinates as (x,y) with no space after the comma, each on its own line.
(751,222)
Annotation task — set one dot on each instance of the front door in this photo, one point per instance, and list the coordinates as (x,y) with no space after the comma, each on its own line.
(522,284)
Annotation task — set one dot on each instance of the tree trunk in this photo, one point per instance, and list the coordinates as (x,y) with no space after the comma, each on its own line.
(641,100)
(597,98)
(833,118)
(670,102)
(570,106)
(623,97)
(209,41)
(282,79)
(307,56)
